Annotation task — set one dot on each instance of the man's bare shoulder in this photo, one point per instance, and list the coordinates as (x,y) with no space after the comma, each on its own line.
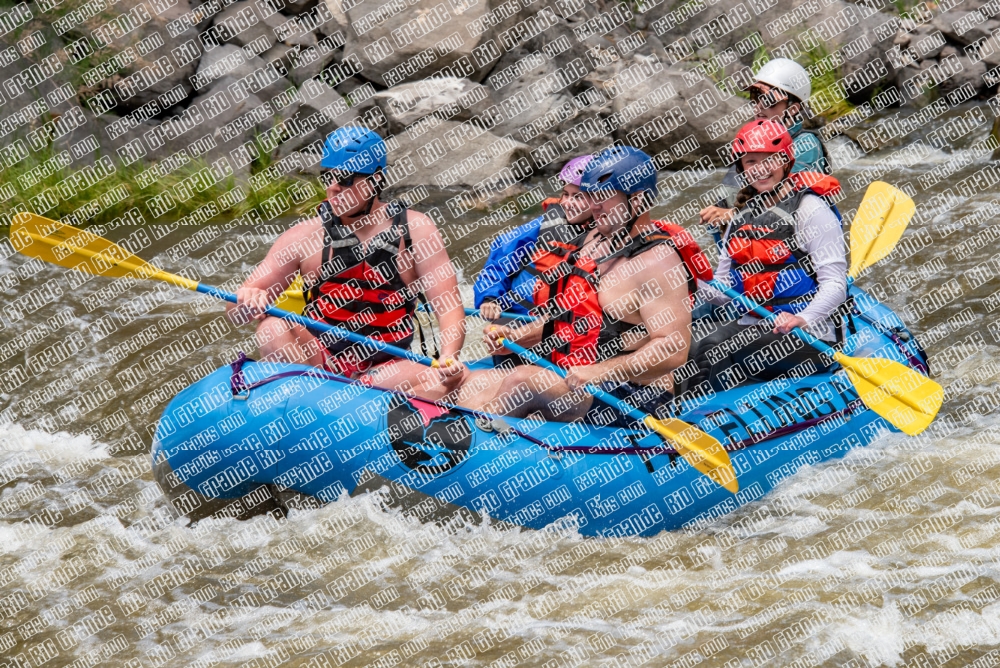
(300,241)
(419,221)
(303,228)
(656,263)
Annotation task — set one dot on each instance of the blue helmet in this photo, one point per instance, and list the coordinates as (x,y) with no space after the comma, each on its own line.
(623,168)
(354,149)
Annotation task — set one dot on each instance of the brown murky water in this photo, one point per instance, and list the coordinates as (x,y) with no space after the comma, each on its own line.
(887,557)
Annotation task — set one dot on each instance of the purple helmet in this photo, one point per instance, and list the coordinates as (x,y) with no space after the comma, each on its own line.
(572,171)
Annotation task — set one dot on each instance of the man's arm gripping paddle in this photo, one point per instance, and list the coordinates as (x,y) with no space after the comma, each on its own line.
(73,248)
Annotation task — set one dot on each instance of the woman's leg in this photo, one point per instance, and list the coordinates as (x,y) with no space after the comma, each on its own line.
(714,356)
(774,355)
(735,354)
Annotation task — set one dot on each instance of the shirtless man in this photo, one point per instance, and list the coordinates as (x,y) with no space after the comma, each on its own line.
(628,330)
(363,262)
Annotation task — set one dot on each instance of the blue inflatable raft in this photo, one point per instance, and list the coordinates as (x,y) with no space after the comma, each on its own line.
(255,438)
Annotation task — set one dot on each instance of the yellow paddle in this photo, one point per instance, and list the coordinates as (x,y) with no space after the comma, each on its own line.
(293,298)
(882,217)
(73,248)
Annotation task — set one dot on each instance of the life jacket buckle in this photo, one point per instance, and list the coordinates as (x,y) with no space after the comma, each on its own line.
(242,395)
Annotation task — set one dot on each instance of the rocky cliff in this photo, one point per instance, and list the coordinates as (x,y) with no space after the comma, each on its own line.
(472,95)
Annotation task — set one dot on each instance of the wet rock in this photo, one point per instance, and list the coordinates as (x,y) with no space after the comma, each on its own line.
(407,103)
(550,97)
(331,110)
(927,43)
(971,74)
(949,51)
(399,40)
(676,117)
(166,52)
(233,139)
(252,73)
(298,6)
(448,154)
(337,19)
(243,22)
(963,27)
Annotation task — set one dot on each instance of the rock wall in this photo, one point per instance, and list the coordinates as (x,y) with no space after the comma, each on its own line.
(473,95)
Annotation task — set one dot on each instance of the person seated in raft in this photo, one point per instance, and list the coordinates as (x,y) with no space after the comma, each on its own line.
(615,308)
(778,92)
(363,261)
(784,249)
(507,280)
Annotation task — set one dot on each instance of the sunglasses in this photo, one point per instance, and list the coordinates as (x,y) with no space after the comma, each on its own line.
(770,97)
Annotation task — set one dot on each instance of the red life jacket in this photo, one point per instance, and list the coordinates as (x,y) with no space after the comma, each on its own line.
(360,288)
(549,201)
(578,332)
(767,264)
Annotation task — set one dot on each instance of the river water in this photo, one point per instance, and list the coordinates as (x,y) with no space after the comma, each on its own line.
(887,557)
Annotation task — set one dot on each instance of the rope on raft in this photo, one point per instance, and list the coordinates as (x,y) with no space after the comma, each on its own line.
(239,386)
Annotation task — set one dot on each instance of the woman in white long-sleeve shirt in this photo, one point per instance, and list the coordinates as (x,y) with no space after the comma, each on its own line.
(784,249)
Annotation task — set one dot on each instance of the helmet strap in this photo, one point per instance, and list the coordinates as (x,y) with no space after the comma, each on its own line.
(633,216)
(377,186)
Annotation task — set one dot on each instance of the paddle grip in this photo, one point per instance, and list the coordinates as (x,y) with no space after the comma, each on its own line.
(750,304)
(610,399)
(317,326)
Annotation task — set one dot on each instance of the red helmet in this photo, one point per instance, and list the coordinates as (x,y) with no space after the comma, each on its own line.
(763,136)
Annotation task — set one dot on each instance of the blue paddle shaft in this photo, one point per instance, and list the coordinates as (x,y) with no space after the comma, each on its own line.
(511,316)
(317,326)
(751,305)
(597,392)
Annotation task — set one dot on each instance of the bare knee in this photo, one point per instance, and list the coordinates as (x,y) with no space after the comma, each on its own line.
(278,342)
(272,333)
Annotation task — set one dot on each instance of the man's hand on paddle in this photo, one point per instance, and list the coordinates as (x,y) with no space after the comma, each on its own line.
(252,303)
(451,372)
(490,310)
(492,335)
(578,376)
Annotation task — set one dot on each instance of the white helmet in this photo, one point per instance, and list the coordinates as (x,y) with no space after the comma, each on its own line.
(786,75)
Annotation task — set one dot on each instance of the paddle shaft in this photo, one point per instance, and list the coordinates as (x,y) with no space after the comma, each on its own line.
(318,326)
(509,316)
(597,392)
(751,305)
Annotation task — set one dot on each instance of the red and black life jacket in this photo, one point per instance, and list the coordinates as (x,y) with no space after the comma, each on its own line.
(578,331)
(767,264)
(360,288)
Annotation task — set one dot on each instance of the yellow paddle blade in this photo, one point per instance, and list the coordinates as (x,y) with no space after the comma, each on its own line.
(293,298)
(73,248)
(698,449)
(904,397)
(882,217)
